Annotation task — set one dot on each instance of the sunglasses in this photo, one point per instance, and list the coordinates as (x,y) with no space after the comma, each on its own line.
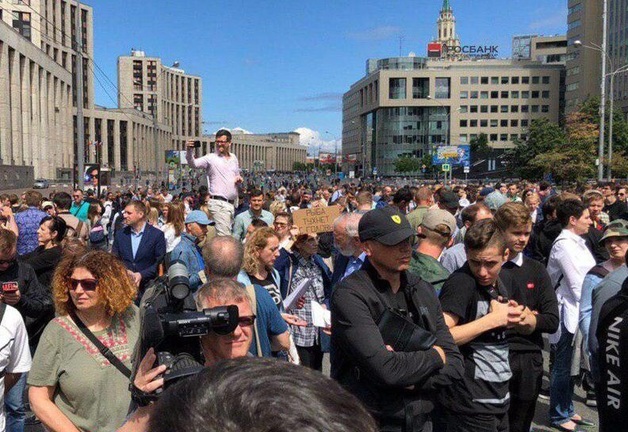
(246,321)
(86,284)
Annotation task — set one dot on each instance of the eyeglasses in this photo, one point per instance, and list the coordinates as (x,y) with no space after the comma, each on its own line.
(86,284)
(280,224)
(246,321)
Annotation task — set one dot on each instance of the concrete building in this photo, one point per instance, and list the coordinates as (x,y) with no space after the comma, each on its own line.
(273,151)
(406,106)
(583,77)
(544,49)
(618,50)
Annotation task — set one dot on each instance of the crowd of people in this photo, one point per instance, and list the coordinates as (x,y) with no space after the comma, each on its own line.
(442,299)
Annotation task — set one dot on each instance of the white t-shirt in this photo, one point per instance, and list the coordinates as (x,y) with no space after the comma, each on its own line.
(15,355)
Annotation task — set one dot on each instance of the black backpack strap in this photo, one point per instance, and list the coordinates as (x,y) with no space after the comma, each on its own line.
(102,348)
(599,270)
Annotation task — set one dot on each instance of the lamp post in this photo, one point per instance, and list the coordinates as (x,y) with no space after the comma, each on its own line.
(335,153)
(429,97)
(605,57)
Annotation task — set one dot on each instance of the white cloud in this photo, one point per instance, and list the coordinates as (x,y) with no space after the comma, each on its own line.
(316,141)
(236,130)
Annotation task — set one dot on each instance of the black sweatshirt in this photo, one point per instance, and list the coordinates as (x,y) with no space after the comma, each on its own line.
(530,285)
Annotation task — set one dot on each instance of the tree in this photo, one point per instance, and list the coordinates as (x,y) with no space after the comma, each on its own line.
(479,147)
(408,164)
(299,166)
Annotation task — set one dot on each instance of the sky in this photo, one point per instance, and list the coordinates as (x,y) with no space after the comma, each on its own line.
(283,65)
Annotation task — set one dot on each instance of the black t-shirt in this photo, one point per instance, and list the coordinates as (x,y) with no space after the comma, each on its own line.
(270,286)
(484,389)
(616,209)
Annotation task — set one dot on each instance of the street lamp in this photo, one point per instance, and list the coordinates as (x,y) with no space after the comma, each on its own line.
(429,97)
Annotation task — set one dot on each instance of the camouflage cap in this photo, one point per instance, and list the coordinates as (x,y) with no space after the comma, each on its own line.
(617,228)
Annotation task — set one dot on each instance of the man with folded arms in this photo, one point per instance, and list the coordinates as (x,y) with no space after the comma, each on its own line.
(396,386)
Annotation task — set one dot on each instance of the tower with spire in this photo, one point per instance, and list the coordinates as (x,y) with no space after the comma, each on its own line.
(447,33)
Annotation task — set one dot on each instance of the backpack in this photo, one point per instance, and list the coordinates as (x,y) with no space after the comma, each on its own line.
(73,233)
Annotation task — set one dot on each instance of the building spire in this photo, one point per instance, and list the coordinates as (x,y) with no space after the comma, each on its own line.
(446,6)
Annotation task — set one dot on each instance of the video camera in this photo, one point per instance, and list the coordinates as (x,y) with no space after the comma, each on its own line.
(171,324)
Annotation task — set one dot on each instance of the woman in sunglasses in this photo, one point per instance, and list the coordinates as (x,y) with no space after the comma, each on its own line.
(73,387)
(46,257)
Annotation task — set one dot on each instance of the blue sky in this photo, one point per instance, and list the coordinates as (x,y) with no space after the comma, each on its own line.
(278,66)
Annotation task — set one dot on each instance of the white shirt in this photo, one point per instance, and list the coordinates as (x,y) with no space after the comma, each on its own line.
(15,355)
(570,258)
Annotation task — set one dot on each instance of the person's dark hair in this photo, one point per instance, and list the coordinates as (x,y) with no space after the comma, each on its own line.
(484,234)
(550,205)
(402,195)
(286,215)
(568,208)
(469,213)
(62,200)
(223,256)
(56,224)
(258,223)
(139,207)
(255,193)
(234,396)
(32,198)
(224,133)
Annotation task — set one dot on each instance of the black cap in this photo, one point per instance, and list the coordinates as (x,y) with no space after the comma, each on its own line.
(449,199)
(385,225)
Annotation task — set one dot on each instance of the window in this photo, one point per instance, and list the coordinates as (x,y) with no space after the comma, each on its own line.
(535,108)
(494,80)
(397,88)
(503,123)
(464,108)
(483,123)
(535,94)
(494,94)
(474,80)
(494,108)
(484,95)
(535,79)
(514,80)
(462,138)
(420,88)
(493,137)
(525,94)
(545,108)
(524,123)
(514,123)
(504,94)
(505,80)
(442,88)
(514,108)
(484,108)
(464,80)
(463,123)
(503,108)
(474,108)
(572,86)
(464,95)
(574,24)
(484,80)
(546,80)
(503,137)
(545,94)
(22,23)
(525,108)
(514,94)
(494,123)
(575,8)
(474,95)
(513,137)
(525,80)
(473,123)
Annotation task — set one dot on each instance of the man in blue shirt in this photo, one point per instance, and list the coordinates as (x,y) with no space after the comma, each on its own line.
(28,223)
(255,211)
(187,250)
(80,207)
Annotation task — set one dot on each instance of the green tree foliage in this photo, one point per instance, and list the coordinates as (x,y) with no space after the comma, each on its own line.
(408,164)
(479,147)
(299,166)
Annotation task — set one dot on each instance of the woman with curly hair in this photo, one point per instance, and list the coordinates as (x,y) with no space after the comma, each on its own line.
(260,252)
(175,224)
(73,387)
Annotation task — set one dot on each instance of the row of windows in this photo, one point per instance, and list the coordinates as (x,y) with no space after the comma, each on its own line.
(504,108)
(494,123)
(505,94)
(464,138)
(504,80)
(574,24)
(575,8)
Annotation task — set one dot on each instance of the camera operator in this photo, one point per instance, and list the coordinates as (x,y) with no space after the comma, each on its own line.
(215,347)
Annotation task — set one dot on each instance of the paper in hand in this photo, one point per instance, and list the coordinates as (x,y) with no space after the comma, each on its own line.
(291,301)
(321,317)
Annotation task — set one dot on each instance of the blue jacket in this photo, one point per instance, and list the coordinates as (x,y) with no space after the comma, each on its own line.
(188,253)
(150,252)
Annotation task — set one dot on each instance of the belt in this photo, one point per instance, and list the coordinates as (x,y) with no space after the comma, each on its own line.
(219,198)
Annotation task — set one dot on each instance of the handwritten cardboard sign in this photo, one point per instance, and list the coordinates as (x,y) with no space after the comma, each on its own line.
(316,220)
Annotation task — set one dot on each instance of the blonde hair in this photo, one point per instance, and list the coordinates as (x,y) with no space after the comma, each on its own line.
(277,207)
(255,243)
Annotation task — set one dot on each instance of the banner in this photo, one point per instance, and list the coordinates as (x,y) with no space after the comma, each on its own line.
(458,155)
(325,158)
(316,220)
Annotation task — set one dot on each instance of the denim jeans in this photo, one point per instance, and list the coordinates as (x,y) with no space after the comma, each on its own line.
(14,406)
(561,383)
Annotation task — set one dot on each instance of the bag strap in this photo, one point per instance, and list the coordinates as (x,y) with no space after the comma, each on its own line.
(3,307)
(250,289)
(101,347)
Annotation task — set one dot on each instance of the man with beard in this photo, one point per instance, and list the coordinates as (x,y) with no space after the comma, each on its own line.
(350,256)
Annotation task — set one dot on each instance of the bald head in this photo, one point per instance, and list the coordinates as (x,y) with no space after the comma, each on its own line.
(223,256)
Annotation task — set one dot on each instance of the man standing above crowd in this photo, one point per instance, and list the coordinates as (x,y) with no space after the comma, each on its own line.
(28,223)
(139,245)
(255,211)
(223,175)
(395,386)
(530,286)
